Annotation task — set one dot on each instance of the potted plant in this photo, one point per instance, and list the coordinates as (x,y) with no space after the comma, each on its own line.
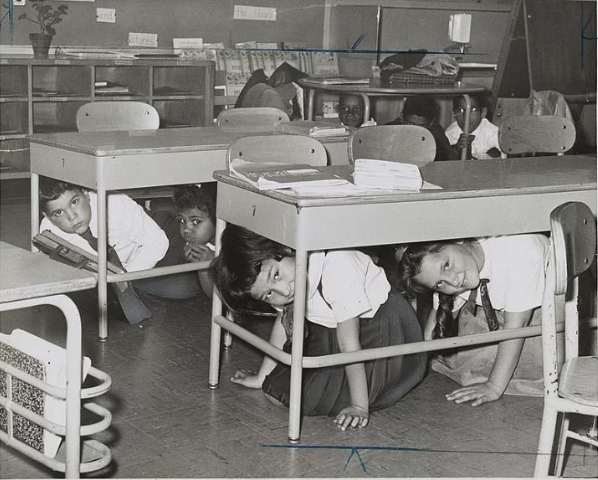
(46,17)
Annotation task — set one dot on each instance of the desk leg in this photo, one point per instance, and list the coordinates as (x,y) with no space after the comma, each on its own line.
(297,347)
(102,261)
(467,100)
(34,207)
(73,373)
(311,93)
(367,107)
(214,372)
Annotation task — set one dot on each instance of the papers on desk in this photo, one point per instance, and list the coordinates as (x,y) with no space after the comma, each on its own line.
(338,80)
(387,175)
(275,176)
(312,128)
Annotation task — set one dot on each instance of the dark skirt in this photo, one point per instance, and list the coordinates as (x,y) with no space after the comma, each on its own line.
(325,391)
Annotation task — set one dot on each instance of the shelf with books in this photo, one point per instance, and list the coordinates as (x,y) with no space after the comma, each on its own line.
(52,90)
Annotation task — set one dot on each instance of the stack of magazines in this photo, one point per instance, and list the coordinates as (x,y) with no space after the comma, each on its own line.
(387,175)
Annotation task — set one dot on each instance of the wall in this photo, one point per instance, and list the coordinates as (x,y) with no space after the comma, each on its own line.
(209,19)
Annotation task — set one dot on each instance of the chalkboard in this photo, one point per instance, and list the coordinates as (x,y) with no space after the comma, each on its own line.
(550,45)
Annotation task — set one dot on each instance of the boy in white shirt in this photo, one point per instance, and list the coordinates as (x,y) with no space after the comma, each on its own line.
(483,137)
(71,213)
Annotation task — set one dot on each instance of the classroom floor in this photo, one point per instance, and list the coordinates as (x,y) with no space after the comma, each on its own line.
(167,423)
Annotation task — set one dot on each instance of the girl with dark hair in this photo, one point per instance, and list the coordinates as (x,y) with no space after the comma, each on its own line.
(349,306)
(514,269)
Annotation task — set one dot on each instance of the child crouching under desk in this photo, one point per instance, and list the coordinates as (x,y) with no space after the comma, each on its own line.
(349,306)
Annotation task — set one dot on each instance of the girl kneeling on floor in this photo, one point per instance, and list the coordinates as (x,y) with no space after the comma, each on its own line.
(349,306)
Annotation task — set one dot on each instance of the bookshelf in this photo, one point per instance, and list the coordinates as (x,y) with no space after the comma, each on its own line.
(43,96)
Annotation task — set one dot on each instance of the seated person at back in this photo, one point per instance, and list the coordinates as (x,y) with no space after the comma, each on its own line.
(483,135)
(421,111)
(189,220)
(71,213)
(351,110)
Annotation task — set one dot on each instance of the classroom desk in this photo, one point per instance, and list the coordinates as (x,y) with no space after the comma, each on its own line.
(104,161)
(30,279)
(367,91)
(479,198)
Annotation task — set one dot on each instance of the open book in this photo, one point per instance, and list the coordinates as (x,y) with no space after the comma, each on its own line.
(312,128)
(274,176)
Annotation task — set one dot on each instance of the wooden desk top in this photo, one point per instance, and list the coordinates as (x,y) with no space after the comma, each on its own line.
(453,90)
(28,275)
(113,143)
(471,178)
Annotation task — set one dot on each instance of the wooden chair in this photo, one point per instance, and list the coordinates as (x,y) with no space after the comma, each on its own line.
(258,119)
(278,148)
(123,115)
(523,134)
(575,389)
(397,143)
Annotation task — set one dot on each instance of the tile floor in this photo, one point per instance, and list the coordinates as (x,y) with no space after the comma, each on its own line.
(167,423)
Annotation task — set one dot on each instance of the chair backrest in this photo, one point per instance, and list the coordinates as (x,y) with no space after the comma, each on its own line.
(278,148)
(396,143)
(117,115)
(573,240)
(536,133)
(253,118)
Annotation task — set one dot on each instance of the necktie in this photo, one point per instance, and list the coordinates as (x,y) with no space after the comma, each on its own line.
(132,306)
(93,242)
(487,305)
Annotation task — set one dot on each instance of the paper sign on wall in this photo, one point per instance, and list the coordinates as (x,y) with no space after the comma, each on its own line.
(187,43)
(143,40)
(245,12)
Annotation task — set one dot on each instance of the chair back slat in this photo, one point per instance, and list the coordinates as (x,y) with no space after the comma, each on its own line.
(256,118)
(522,134)
(395,143)
(278,148)
(117,115)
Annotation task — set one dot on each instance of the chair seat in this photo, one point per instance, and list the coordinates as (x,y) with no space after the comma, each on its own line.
(578,380)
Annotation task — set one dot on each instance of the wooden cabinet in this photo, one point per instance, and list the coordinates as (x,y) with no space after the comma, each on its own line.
(43,96)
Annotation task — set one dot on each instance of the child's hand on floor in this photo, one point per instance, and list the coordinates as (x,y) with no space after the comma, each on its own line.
(197,252)
(352,417)
(480,393)
(247,379)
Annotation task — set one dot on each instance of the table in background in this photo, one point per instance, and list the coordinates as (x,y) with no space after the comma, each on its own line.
(104,161)
(367,91)
(478,198)
(30,279)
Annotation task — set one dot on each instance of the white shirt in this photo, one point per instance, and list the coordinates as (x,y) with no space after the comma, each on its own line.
(486,138)
(352,286)
(516,268)
(139,242)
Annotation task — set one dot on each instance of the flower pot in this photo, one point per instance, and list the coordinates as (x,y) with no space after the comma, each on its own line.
(41,44)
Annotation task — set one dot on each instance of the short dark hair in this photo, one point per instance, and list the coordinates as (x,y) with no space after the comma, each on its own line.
(343,97)
(420,105)
(479,99)
(50,189)
(194,196)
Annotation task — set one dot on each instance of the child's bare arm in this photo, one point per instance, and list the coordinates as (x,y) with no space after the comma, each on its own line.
(356,414)
(255,380)
(505,363)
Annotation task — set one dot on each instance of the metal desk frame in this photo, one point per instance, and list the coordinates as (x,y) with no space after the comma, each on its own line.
(505,196)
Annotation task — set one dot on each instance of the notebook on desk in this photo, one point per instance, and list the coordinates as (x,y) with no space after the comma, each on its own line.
(338,80)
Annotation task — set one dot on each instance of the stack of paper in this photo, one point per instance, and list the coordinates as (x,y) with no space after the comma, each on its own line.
(387,175)
(312,128)
(275,176)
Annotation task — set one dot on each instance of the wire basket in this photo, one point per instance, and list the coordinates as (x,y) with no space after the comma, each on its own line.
(408,78)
